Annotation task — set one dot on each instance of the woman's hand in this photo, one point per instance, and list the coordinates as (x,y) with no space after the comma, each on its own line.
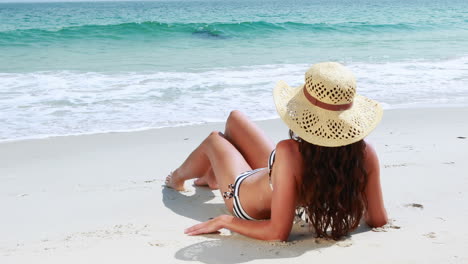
(208,227)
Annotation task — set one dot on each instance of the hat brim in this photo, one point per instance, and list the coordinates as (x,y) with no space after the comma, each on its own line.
(325,127)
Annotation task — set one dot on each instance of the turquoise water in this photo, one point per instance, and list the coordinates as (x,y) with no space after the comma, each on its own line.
(71,68)
(175,35)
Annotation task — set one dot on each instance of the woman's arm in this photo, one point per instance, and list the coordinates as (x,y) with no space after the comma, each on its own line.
(283,204)
(376,215)
(262,230)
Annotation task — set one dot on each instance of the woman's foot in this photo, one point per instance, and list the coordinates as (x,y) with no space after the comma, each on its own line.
(172,182)
(206,181)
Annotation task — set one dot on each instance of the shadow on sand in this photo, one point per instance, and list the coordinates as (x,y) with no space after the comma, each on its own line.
(194,205)
(233,248)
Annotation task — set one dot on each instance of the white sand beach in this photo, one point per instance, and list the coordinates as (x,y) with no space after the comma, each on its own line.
(100,199)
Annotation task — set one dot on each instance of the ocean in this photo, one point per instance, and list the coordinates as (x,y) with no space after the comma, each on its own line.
(90,67)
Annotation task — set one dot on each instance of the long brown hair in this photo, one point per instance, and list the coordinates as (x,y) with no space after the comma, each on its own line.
(333,187)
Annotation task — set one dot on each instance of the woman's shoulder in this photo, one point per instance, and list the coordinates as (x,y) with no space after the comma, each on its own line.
(288,163)
(370,150)
(371,159)
(288,145)
(287,152)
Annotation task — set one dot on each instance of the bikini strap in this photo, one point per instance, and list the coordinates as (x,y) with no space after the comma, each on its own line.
(271,160)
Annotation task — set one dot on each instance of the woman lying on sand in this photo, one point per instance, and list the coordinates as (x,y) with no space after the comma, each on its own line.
(325,168)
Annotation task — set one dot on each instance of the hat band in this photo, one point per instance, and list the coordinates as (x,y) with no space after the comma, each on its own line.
(325,106)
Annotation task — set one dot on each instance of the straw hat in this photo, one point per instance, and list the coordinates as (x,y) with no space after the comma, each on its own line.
(326,110)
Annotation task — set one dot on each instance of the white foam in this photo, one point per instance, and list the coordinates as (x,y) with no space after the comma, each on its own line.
(63,102)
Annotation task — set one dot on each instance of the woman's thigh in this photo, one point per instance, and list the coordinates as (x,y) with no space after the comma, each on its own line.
(226,162)
(249,139)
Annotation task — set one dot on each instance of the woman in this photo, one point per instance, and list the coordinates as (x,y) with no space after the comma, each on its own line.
(326,168)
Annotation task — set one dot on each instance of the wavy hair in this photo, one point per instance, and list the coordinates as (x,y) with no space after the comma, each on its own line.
(333,187)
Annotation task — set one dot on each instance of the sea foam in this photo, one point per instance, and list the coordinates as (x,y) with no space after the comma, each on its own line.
(38,104)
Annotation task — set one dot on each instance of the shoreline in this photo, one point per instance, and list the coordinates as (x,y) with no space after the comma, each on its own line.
(207,123)
(101,196)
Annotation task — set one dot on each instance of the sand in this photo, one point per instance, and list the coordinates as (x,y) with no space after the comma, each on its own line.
(100,198)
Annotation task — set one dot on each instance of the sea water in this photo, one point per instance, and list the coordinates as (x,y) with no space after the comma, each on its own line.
(87,67)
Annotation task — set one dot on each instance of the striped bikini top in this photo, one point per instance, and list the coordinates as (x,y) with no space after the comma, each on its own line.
(271,160)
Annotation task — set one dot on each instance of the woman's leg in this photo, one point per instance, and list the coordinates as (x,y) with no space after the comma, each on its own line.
(249,139)
(208,179)
(217,153)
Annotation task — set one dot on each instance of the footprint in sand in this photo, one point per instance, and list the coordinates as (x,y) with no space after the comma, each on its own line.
(156,244)
(396,165)
(345,243)
(385,228)
(415,205)
(430,235)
